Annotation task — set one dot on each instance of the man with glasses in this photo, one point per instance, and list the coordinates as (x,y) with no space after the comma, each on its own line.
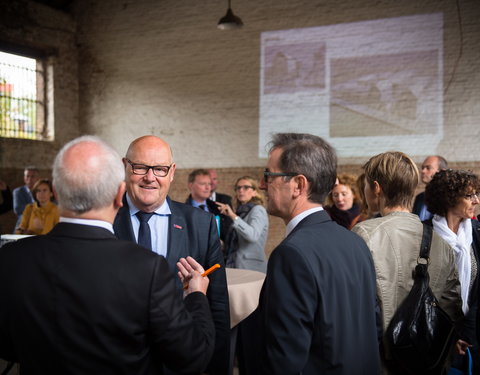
(316,311)
(79,301)
(172,229)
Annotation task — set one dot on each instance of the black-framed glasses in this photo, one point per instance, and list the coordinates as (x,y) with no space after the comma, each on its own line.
(268,174)
(473,196)
(244,187)
(142,169)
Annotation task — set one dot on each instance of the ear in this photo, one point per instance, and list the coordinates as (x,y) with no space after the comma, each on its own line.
(377,189)
(300,184)
(172,171)
(118,200)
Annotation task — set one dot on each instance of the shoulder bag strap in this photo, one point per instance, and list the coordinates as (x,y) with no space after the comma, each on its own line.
(426,242)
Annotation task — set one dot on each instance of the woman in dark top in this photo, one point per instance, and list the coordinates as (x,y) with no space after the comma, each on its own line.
(346,201)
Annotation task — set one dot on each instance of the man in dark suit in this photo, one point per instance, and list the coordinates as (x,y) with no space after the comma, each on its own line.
(317,305)
(80,301)
(218,197)
(175,230)
(430,166)
(22,195)
(200,186)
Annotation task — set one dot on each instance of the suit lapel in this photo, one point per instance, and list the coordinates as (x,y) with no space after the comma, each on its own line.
(177,236)
(123,224)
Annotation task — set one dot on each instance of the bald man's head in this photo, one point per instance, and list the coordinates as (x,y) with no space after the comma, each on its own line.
(148,187)
(87,173)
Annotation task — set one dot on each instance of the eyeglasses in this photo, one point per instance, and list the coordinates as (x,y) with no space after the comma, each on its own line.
(244,187)
(473,196)
(142,169)
(267,174)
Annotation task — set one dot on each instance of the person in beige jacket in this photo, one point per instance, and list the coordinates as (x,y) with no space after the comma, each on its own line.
(394,240)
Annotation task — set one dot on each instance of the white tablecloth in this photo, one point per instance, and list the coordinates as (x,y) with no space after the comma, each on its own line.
(243,289)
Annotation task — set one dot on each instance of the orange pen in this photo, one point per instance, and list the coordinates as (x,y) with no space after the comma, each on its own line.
(206,273)
(211,269)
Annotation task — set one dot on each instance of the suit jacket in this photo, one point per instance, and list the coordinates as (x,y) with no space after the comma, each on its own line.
(252,233)
(194,232)
(92,304)
(223,198)
(21,197)
(225,221)
(419,204)
(7,201)
(317,305)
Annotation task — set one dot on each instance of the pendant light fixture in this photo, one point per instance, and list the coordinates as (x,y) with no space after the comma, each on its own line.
(229,21)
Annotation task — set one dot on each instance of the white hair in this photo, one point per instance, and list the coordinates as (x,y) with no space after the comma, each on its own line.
(80,189)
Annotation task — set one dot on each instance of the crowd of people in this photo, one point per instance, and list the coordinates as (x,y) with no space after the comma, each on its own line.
(111,280)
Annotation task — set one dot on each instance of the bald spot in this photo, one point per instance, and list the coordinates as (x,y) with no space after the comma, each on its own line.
(83,159)
(149,146)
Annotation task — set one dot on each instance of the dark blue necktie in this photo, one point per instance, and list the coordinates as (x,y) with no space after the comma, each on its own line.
(202,207)
(144,236)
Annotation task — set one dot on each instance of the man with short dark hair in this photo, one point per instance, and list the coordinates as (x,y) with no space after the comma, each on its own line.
(79,301)
(23,194)
(173,229)
(431,165)
(200,186)
(317,305)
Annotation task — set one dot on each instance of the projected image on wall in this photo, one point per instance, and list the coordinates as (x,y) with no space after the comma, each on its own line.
(390,94)
(296,67)
(367,87)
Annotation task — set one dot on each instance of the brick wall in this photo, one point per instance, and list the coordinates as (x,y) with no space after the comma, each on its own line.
(124,69)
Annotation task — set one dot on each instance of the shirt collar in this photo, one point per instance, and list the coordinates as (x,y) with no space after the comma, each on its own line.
(94,223)
(198,204)
(294,222)
(163,210)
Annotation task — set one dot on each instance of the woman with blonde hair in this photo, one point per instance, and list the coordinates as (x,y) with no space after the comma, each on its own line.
(42,215)
(394,240)
(246,238)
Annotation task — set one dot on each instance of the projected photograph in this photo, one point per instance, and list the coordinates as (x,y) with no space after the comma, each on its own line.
(366,87)
(387,94)
(294,67)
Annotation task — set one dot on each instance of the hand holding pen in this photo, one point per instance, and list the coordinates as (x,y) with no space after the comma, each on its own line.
(193,276)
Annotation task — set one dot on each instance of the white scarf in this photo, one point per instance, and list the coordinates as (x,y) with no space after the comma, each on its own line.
(461,244)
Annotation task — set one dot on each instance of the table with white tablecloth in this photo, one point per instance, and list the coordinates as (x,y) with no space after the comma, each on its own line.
(244,288)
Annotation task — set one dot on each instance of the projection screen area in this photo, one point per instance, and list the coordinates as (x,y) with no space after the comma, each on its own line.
(366,87)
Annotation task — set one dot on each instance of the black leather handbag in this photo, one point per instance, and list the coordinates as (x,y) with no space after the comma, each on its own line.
(421,334)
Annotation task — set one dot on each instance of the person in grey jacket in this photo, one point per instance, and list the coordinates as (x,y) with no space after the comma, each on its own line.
(394,240)
(246,238)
